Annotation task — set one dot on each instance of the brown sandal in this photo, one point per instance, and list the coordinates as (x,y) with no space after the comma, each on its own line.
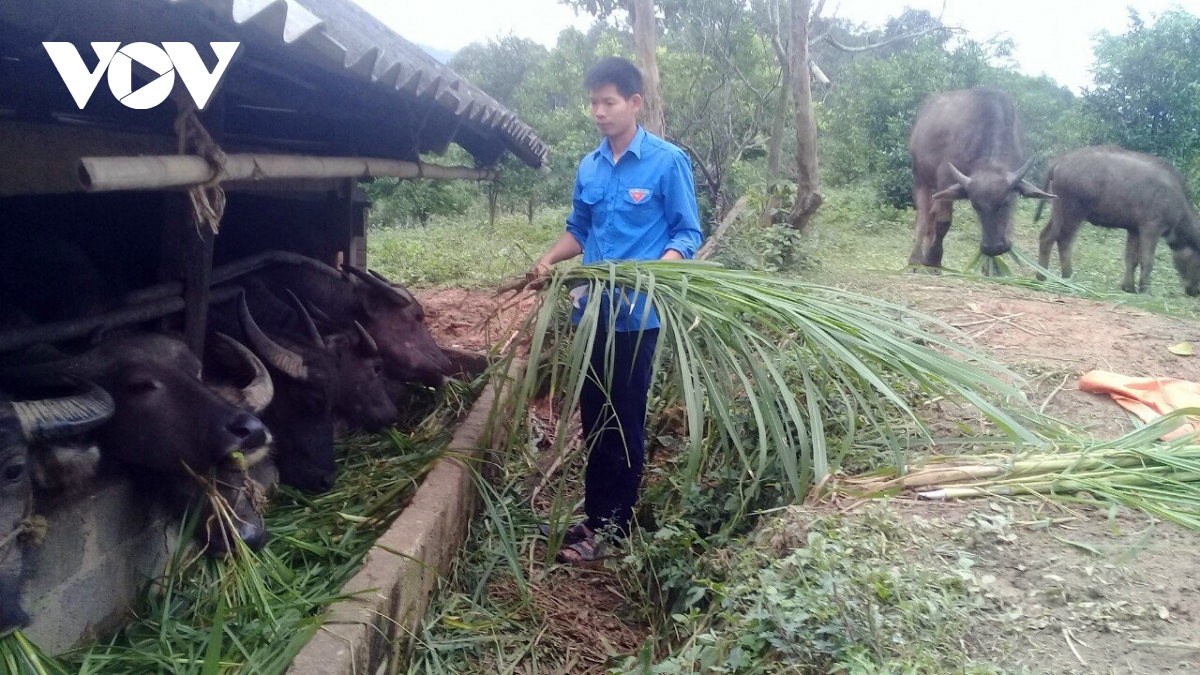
(583,551)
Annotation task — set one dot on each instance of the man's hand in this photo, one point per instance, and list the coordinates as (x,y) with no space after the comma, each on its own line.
(538,275)
(672,254)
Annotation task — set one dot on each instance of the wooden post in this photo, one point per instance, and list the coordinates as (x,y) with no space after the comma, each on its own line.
(357,254)
(187,257)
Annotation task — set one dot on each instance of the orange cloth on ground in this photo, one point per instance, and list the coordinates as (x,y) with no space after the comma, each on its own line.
(1147,397)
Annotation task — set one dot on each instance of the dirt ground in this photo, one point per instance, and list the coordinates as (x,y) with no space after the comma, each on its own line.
(1051,340)
(1066,592)
(472,319)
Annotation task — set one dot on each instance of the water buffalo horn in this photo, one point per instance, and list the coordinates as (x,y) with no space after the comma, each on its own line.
(306,319)
(366,339)
(56,418)
(317,314)
(289,362)
(401,297)
(1016,176)
(396,287)
(959,177)
(257,395)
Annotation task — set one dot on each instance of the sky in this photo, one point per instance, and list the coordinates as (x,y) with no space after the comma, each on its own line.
(1053,37)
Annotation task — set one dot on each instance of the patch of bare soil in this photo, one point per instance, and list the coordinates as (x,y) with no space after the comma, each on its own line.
(1074,592)
(473,320)
(1051,340)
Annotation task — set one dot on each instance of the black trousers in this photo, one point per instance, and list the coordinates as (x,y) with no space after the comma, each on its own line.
(614,427)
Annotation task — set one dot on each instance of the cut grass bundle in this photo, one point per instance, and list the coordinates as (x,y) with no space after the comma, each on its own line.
(771,369)
(19,656)
(1162,479)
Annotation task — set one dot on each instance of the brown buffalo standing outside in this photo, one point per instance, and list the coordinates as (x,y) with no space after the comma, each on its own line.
(966,145)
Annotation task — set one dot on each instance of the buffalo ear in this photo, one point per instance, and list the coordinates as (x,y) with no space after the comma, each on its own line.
(954,192)
(1027,189)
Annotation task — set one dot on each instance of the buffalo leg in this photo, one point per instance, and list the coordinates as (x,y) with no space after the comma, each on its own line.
(1067,231)
(1131,260)
(922,227)
(1047,239)
(1147,243)
(941,215)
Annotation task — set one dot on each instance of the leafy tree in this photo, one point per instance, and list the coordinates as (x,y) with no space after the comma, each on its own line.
(404,203)
(500,66)
(1147,88)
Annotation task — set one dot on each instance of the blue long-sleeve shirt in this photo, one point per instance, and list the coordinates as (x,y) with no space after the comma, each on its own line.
(634,209)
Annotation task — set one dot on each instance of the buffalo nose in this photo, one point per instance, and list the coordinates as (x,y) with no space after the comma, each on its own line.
(249,431)
(254,536)
(325,483)
(996,249)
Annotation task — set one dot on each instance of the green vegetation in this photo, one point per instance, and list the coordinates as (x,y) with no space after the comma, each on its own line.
(463,251)
(835,594)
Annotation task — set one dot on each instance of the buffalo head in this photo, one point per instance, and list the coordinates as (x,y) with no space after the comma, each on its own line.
(22,423)
(167,423)
(1187,263)
(301,414)
(396,321)
(363,399)
(993,191)
(166,417)
(231,482)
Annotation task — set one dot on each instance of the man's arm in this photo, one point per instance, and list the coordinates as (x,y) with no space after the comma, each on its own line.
(569,245)
(565,248)
(682,214)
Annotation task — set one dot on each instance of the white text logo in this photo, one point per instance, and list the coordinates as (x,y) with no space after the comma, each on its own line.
(172,57)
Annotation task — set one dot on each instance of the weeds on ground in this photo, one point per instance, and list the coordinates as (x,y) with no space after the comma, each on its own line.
(821,593)
(463,251)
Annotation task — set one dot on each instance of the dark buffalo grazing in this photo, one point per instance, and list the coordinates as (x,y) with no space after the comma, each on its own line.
(301,413)
(362,400)
(1142,194)
(167,424)
(23,423)
(967,145)
(389,313)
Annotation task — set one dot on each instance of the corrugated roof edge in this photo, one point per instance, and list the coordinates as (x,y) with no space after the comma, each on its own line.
(349,38)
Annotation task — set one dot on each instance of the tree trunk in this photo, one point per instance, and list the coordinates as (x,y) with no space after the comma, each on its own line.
(529,211)
(645,40)
(808,197)
(775,144)
(775,152)
(493,199)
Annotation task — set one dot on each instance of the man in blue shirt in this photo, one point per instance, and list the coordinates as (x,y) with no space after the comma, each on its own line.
(634,200)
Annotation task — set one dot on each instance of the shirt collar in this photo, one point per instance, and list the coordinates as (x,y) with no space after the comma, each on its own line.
(635,146)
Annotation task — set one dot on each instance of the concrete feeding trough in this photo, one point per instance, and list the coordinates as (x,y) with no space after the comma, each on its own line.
(371,632)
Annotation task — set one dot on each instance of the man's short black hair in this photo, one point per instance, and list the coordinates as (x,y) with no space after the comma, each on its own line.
(615,71)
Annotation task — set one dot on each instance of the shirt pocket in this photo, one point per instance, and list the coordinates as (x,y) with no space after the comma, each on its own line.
(639,206)
(591,194)
(592,197)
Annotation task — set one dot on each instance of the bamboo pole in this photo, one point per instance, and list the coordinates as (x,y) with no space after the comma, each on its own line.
(101,174)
